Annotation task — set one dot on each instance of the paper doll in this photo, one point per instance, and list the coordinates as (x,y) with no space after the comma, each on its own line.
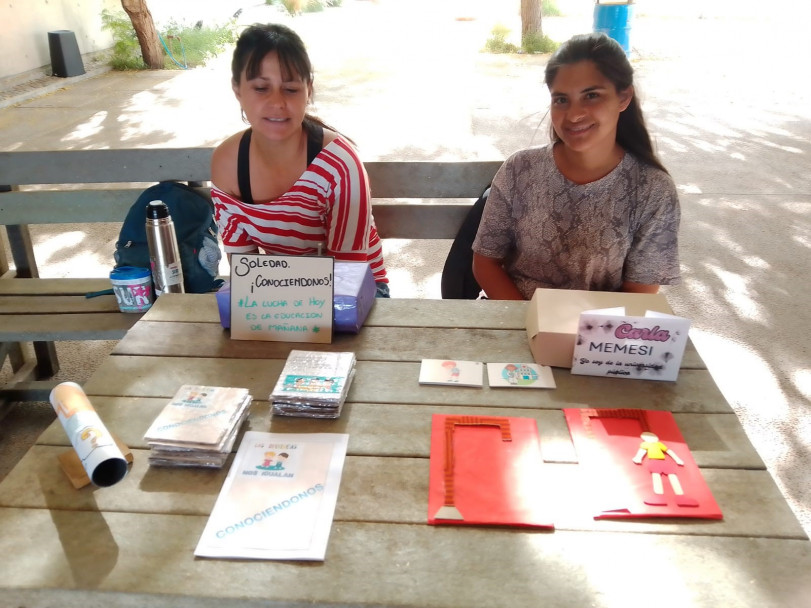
(522,374)
(659,465)
(324,385)
(269,456)
(194,397)
(279,464)
(453,369)
(511,373)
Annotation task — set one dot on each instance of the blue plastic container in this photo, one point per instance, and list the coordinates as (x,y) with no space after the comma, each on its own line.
(614,20)
(133,288)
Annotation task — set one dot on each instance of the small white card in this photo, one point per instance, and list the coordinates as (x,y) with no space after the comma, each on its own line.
(614,345)
(451,372)
(520,375)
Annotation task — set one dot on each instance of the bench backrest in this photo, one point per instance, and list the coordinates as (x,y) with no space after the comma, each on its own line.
(101,185)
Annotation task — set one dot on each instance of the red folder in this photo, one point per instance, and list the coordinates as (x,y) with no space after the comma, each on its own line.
(486,470)
(639,465)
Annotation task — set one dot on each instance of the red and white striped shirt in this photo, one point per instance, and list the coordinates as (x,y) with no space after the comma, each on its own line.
(328,208)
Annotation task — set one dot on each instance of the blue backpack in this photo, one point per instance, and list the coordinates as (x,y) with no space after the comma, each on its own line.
(193,217)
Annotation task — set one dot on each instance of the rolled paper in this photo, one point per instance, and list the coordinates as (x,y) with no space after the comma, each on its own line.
(100,456)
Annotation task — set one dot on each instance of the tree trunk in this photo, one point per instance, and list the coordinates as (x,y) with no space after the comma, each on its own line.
(141,18)
(531,18)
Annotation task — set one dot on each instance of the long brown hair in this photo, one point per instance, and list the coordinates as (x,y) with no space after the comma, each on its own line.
(610,59)
(257,40)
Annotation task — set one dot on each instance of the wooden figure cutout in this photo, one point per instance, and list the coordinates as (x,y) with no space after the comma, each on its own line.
(655,455)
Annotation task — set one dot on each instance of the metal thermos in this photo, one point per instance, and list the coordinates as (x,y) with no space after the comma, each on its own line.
(164,257)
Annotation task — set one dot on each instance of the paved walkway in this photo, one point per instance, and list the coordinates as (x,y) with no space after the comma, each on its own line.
(727,98)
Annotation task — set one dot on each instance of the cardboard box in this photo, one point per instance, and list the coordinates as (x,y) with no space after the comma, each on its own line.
(553,316)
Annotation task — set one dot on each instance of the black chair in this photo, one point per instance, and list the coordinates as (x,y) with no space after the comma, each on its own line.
(458,282)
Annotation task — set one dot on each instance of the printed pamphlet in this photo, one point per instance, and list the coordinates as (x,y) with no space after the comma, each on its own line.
(278,499)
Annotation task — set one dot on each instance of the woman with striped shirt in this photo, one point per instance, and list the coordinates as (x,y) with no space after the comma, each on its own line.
(290,184)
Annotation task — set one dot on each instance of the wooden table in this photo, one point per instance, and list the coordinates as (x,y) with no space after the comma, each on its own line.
(132,544)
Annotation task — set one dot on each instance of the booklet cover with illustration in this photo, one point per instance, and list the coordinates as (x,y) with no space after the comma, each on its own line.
(486,470)
(313,384)
(451,372)
(278,499)
(519,375)
(199,416)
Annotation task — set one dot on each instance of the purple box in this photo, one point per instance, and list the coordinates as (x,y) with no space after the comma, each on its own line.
(354,296)
(224,304)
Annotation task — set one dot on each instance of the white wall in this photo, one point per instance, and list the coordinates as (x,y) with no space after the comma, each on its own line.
(26,23)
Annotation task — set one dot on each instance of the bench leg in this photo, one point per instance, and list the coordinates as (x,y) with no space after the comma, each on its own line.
(21,387)
(15,354)
(22,251)
(4,267)
(47,361)
(44,364)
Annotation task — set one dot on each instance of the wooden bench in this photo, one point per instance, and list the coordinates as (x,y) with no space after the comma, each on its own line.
(411,200)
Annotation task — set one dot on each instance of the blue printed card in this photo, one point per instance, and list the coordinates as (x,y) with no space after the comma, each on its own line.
(519,375)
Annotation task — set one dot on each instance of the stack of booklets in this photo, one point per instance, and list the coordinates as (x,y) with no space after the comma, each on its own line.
(313,384)
(198,426)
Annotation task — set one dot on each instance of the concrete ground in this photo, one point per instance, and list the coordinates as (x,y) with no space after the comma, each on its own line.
(726,97)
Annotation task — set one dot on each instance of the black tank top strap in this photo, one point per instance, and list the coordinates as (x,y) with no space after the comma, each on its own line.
(243,169)
(315,140)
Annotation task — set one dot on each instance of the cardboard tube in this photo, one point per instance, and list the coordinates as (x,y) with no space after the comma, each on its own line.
(100,456)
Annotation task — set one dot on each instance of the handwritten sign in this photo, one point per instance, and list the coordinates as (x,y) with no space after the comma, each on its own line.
(614,345)
(282,298)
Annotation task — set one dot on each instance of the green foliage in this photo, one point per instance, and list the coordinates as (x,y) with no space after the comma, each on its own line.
(313,6)
(291,6)
(296,7)
(497,43)
(535,43)
(549,8)
(188,46)
(126,49)
(531,43)
(194,46)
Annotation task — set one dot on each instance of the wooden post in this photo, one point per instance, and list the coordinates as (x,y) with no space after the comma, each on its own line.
(25,267)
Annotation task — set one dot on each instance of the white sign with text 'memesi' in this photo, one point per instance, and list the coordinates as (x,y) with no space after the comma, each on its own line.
(614,345)
(282,298)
